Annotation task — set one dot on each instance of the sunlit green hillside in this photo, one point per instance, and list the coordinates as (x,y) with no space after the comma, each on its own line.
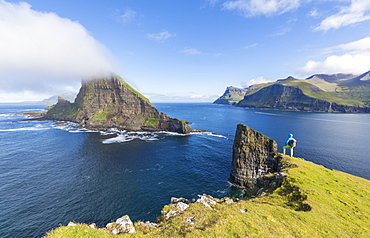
(312,202)
(341,89)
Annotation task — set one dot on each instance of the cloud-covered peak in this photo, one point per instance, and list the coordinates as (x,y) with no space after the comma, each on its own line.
(41,50)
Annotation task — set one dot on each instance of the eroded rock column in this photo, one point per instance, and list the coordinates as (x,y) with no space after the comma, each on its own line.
(254,155)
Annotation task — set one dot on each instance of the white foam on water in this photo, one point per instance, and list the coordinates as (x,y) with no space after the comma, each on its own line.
(209,134)
(35,128)
(117,139)
(130,136)
(171,133)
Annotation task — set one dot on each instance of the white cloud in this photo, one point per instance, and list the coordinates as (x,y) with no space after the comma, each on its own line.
(257,80)
(247,47)
(355,64)
(212,2)
(358,11)
(191,51)
(250,8)
(353,57)
(128,15)
(42,52)
(355,46)
(313,13)
(161,36)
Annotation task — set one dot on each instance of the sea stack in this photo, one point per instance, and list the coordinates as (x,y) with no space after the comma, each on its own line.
(254,155)
(110,102)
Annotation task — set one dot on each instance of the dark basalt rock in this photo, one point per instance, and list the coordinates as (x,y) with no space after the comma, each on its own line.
(254,155)
(107,102)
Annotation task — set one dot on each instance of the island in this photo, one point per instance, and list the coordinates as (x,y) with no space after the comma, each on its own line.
(318,93)
(110,102)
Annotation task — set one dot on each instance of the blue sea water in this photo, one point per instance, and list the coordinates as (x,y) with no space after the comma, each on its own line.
(50,175)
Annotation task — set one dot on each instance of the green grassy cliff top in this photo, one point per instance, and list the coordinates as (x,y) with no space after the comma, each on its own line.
(312,201)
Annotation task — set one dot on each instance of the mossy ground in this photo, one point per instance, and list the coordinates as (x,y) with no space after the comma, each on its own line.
(312,202)
(151,122)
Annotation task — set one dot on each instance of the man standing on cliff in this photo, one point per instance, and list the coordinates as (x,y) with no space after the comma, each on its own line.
(290,143)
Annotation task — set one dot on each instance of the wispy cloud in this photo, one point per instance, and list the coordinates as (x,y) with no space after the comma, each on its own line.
(247,47)
(191,51)
(212,3)
(250,8)
(313,13)
(43,51)
(160,36)
(357,11)
(353,57)
(284,28)
(128,15)
(258,80)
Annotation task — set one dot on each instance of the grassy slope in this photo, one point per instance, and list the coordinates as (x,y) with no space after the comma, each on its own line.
(338,202)
(350,95)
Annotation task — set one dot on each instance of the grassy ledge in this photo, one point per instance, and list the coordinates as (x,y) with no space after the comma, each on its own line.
(312,201)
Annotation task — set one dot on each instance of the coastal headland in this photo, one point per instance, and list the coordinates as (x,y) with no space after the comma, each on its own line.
(290,198)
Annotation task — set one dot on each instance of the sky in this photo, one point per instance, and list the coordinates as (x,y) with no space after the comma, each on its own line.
(176,50)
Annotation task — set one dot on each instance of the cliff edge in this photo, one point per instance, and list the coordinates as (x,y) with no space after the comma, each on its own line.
(106,102)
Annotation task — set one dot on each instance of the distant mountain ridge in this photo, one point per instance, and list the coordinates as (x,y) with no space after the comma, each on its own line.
(319,92)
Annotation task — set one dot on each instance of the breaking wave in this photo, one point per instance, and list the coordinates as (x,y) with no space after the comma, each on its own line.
(130,136)
(38,127)
(125,136)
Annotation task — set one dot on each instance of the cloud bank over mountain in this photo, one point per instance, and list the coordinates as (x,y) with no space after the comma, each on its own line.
(352,57)
(42,51)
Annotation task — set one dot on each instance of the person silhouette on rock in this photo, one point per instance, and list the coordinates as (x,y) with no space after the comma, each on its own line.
(290,143)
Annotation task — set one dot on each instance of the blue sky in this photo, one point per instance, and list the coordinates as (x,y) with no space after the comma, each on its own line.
(182,50)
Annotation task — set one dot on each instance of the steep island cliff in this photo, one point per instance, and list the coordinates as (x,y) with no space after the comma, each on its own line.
(292,198)
(107,102)
(318,93)
(231,96)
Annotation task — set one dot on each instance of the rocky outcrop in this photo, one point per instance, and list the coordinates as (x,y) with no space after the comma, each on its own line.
(231,96)
(281,97)
(107,102)
(254,155)
(121,225)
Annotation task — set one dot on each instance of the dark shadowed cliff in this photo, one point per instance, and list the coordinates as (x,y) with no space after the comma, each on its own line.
(107,102)
(254,155)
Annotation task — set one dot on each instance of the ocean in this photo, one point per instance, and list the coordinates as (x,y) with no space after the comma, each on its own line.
(53,174)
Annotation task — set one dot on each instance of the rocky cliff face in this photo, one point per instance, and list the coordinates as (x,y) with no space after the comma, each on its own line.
(108,102)
(254,155)
(283,97)
(231,96)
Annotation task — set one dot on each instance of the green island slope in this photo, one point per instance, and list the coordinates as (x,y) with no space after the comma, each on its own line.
(320,92)
(312,201)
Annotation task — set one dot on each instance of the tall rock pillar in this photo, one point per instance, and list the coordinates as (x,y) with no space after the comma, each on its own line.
(254,155)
